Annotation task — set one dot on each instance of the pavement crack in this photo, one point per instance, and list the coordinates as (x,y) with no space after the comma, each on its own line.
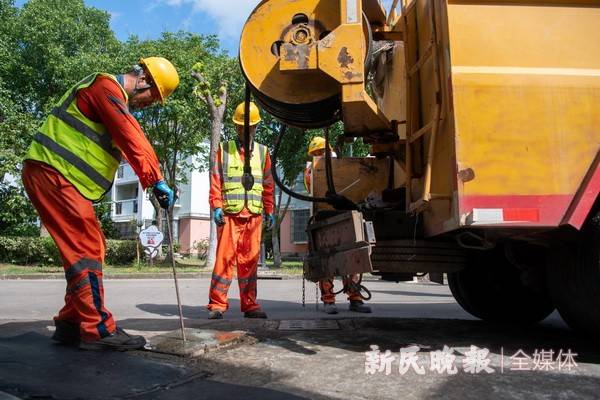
(168,386)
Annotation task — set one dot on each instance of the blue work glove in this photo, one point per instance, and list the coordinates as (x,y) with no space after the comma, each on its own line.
(270,221)
(164,194)
(219,217)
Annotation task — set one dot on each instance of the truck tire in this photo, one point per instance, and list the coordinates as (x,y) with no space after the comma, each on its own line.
(491,288)
(574,280)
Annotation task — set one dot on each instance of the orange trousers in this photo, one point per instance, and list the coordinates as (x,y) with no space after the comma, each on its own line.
(239,245)
(70,220)
(327,295)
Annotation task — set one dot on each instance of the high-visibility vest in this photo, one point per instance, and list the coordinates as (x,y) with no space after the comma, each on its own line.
(79,148)
(235,196)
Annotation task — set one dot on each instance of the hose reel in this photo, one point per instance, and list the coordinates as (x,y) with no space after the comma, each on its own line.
(278,57)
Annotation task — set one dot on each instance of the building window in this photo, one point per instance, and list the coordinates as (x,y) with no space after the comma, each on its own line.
(135,206)
(299,222)
(127,229)
(120,171)
(118,208)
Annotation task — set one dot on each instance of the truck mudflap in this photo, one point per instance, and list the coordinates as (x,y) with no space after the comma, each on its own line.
(585,198)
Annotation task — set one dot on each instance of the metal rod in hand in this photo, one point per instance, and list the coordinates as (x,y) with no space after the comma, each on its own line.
(168,216)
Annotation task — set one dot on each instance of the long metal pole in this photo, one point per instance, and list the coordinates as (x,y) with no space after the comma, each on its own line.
(168,217)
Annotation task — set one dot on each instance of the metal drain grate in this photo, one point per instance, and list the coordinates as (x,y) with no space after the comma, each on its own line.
(308,324)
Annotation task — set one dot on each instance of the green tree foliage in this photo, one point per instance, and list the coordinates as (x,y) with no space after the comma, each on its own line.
(178,128)
(16,130)
(48,45)
(45,47)
(58,43)
(17,216)
(103,213)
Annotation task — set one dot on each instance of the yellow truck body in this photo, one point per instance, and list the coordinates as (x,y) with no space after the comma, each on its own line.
(519,91)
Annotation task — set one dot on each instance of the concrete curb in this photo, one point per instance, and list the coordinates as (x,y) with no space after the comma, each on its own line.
(141,275)
(157,275)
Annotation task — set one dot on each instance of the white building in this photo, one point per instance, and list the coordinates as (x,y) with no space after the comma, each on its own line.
(132,208)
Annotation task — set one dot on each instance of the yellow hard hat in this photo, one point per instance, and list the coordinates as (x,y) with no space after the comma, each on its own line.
(316,144)
(163,74)
(238,116)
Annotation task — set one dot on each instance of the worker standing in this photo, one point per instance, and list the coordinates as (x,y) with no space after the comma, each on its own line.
(71,163)
(316,148)
(239,215)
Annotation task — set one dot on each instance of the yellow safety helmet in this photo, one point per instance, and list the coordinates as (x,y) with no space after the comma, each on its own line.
(316,144)
(163,74)
(240,112)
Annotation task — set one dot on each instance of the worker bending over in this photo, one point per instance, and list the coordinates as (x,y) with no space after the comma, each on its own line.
(71,163)
(316,148)
(239,216)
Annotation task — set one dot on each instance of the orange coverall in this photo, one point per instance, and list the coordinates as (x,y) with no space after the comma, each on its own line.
(326,285)
(238,243)
(70,218)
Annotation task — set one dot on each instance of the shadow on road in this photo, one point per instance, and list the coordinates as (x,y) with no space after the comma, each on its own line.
(516,385)
(414,294)
(31,366)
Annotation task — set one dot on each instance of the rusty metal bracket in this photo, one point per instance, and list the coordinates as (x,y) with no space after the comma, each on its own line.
(339,245)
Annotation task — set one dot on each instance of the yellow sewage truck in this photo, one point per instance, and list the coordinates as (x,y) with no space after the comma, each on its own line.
(484,120)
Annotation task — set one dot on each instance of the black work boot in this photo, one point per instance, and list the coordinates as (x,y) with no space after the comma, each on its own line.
(255,314)
(215,314)
(359,306)
(66,332)
(118,340)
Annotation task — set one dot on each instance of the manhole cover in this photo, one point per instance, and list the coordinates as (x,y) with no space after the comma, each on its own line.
(308,324)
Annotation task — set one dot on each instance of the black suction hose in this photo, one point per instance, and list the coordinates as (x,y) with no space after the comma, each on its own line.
(247,178)
(278,181)
(339,202)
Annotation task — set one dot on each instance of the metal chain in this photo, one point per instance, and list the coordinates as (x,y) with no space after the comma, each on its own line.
(303,292)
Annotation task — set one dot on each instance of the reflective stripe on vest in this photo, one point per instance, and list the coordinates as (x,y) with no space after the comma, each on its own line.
(79,148)
(234,195)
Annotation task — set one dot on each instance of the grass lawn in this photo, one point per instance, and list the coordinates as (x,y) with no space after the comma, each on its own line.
(183,265)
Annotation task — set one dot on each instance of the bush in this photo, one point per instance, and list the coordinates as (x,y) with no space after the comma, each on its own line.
(42,250)
(28,250)
(17,215)
(120,252)
(201,248)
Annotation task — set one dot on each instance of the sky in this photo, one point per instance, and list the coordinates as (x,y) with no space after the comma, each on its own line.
(149,18)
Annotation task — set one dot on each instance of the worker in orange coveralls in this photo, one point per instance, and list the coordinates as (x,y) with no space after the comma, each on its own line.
(239,215)
(316,148)
(71,163)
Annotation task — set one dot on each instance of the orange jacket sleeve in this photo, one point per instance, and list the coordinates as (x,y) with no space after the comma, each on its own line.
(215,198)
(104,102)
(268,187)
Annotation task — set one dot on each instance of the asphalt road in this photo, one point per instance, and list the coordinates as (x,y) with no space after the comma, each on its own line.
(322,364)
(281,299)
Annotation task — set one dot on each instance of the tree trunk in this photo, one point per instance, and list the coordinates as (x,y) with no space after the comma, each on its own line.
(277,228)
(276,249)
(211,254)
(215,139)
(159,223)
(217,112)
(169,255)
